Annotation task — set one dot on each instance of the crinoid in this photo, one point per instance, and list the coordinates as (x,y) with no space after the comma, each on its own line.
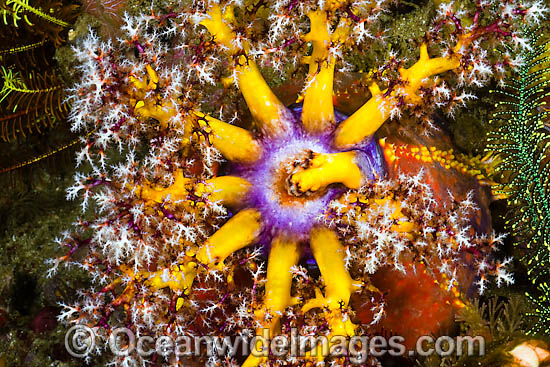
(47,19)
(522,139)
(33,106)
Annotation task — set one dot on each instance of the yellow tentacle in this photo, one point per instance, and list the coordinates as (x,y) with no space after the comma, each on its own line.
(230,190)
(179,278)
(283,255)
(329,168)
(329,255)
(339,285)
(266,109)
(238,232)
(318,110)
(368,119)
(177,191)
(234,143)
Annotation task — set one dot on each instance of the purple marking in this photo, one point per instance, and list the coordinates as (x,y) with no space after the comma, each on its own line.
(297,219)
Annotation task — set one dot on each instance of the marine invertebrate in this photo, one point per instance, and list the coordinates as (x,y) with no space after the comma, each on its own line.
(521,139)
(308,182)
(33,105)
(46,19)
(542,309)
(36,100)
(502,323)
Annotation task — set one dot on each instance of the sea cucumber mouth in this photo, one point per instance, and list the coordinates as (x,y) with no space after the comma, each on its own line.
(285,209)
(283,206)
(289,192)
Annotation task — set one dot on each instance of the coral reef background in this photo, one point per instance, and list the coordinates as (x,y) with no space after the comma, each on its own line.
(34,211)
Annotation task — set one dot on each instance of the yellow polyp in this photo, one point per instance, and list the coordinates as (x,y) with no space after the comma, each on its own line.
(426,67)
(403,225)
(318,109)
(139,104)
(221,32)
(150,107)
(238,232)
(153,107)
(329,255)
(329,168)
(283,255)
(368,118)
(176,191)
(159,111)
(265,107)
(234,143)
(365,121)
(179,303)
(138,84)
(177,278)
(230,190)
(145,84)
(228,81)
(153,77)
(339,285)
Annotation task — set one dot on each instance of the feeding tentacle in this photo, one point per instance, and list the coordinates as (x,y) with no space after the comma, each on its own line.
(238,232)
(234,143)
(328,168)
(368,119)
(318,110)
(265,107)
(229,190)
(283,255)
(339,285)
(178,190)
